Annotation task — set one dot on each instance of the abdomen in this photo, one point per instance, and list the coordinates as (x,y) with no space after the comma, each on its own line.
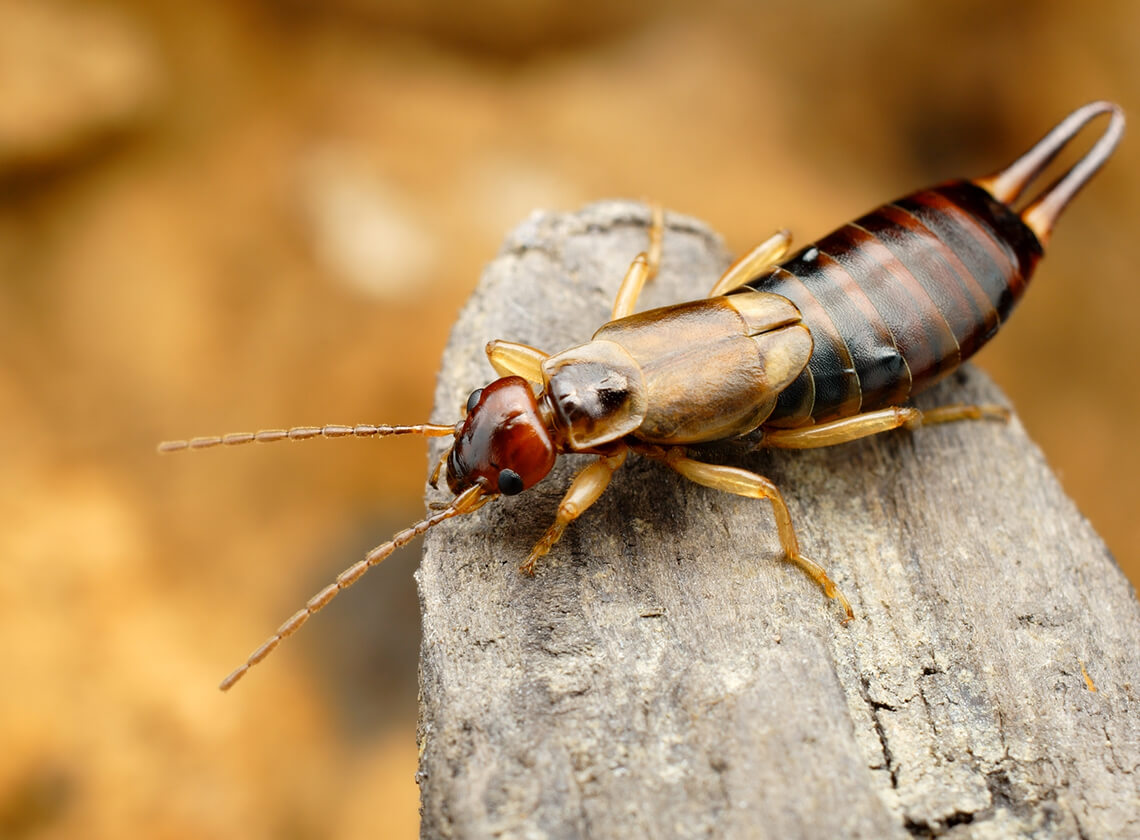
(899,298)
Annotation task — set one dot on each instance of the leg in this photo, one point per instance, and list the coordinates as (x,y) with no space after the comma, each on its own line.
(752,263)
(874,422)
(744,483)
(643,269)
(434,480)
(656,239)
(511,359)
(586,489)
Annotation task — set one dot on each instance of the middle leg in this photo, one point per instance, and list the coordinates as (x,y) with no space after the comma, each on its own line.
(643,269)
(745,483)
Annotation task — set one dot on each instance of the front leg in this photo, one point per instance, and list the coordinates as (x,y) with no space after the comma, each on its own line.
(510,358)
(744,483)
(587,488)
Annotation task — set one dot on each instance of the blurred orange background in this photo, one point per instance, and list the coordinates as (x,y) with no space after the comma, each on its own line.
(222,216)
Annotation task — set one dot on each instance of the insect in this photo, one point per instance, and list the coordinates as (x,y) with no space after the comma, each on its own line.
(792,352)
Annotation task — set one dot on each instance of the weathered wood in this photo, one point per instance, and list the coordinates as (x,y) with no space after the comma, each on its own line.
(665,674)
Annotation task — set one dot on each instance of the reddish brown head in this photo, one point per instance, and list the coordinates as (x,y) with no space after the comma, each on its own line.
(503,445)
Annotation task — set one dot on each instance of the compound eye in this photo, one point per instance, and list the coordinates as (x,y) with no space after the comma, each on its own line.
(510,483)
(473,399)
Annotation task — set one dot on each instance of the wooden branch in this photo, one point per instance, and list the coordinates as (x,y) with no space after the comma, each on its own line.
(666,674)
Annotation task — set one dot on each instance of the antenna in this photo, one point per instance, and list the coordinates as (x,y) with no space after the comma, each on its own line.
(469,500)
(305,433)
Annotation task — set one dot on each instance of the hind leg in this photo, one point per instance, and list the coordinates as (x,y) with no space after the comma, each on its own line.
(875,422)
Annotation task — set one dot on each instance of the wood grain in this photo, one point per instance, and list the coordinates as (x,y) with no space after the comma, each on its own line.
(666,674)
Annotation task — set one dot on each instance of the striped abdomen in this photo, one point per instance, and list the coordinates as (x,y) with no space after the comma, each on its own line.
(899,298)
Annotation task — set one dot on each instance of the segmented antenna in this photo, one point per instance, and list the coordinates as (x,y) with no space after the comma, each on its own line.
(468,501)
(304,433)
(471,499)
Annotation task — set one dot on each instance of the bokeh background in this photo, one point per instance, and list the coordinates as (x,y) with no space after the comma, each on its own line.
(234,214)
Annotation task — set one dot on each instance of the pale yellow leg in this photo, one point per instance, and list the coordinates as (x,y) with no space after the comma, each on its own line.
(511,359)
(434,480)
(586,489)
(631,287)
(656,239)
(755,261)
(744,483)
(643,269)
(874,422)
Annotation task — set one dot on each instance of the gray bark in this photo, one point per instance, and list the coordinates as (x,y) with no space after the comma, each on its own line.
(667,674)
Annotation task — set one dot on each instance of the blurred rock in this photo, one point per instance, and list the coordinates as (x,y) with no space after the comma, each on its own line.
(71,75)
(509,28)
(365,231)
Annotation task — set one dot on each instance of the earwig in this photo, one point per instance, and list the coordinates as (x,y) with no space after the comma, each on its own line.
(790,352)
